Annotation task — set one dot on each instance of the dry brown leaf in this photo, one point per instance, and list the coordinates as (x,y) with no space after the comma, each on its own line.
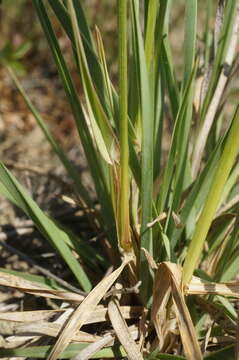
(187,332)
(150,259)
(177,221)
(206,340)
(90,350)
(161,294)
(143,327)
(30,287)
(29,316)
(53,329)
(122,332)
(219,340)
(168,279)
(81,313)
(13,342)
(107,340)
(202,287)
(157,219)
(100,314)
(8,327)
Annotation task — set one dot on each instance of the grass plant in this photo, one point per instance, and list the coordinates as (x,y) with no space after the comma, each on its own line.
(159,212)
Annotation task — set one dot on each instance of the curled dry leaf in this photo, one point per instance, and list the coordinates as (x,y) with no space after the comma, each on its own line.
(177,221)
(82,312)
(168,281)
(157,219)
(150,259)
(122,332)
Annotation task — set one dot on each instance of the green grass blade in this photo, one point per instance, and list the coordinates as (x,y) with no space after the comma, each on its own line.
(72,96)
(231,182)
(47,283)
(207,33)
(123,220)
(63,16)
(133,157)
(228,22)
(223,169)
(190,34)
(147,116)
(134,91)
(197,196)
(150,31)
(228,265)
(156,355)
(98,170)
(55,235)
(218,235)
(218,79)
(72,172)
(95,109)
(177,148)
(166,59)
(182,173)
(67,81)
(230,271)
(94,66)
(159,86)
(72,350)
(227,352)
(82,22)
(86,252)
(106,76)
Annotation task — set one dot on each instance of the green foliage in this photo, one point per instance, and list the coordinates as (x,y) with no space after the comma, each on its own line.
(72,350)
(121,130)
(57,237)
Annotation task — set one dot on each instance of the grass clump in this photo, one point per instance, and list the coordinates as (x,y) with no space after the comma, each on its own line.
(159,213)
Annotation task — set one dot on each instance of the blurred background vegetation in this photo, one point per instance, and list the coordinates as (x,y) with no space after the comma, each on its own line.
(19,24)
